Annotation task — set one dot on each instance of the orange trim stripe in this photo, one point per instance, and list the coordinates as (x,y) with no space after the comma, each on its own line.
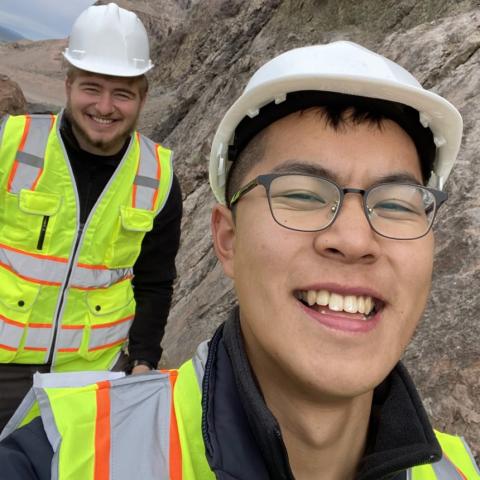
(72,327)
(6,347)
(92,267)
(33,280)
(26,128)
(102,432)
(175,448)
(34,185)
(68,350)
(111,324)
(12,175)
(464,477)
(39,325)
(108,345)
(11,322)
(134,187)
(134,195)
(35,349)
(159,173)
(36,255)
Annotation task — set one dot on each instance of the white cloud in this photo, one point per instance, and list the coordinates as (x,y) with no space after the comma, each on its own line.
(41,19)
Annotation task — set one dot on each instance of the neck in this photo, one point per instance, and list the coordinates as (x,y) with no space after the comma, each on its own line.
(324,438)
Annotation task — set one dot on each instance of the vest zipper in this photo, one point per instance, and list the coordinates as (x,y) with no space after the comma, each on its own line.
(43,231)
(212,349)
(65,288)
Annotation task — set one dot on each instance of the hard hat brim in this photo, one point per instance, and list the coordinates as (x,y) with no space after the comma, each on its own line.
(438,114)
(112,70)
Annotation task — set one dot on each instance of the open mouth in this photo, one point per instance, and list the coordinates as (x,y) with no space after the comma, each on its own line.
(358,307)
(101,120)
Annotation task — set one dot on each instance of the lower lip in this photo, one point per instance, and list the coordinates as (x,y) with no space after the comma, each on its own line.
(341,323)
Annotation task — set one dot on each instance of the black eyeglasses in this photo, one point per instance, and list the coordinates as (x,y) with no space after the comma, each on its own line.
(308,203)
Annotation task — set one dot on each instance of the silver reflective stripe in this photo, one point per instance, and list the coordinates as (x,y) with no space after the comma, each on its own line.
(470,454)
(147,180)
(51,430)
(110,334)
(85,277)
(52,271)
(199,360)
(2,126)
(10,333)
(409,474)
(69,338)
(31,158)
(445,470)
(28,159)
(38,337)
(41,270)
(145,409)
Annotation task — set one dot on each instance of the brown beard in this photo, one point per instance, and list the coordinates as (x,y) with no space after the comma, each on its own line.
(82,136)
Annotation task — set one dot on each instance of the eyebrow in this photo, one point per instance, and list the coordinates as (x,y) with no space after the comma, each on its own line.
(92,83)
(294,166)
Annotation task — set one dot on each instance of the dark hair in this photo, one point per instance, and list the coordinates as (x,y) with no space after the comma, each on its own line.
(337,109)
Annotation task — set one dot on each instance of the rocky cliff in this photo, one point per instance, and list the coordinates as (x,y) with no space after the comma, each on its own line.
(205,52)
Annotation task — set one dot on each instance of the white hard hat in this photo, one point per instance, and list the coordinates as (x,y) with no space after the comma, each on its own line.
(341,67)
(109,40)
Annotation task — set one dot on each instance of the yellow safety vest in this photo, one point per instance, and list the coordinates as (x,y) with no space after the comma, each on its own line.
(118,429)
(66,290)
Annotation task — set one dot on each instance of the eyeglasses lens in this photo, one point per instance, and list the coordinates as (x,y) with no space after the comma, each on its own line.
(400,211)
(303,202)
(309,203)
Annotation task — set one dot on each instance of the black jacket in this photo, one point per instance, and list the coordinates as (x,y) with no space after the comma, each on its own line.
(242,438)
(154,271)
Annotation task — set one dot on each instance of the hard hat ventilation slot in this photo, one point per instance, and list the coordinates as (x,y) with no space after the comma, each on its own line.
(77,54)
(424,119)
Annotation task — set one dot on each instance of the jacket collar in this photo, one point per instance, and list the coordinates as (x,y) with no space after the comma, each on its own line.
(244,440)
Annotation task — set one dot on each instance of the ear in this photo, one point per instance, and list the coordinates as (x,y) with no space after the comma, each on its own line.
(68,86)
(223,234)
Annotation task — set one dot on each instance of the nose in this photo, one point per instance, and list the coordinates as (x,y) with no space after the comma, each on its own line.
(350,238)
(105,104)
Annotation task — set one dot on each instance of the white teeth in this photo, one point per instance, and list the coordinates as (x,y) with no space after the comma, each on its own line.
(336,302)
(102,120)
(323,297)
(361,304)
(311,297)
(350,304)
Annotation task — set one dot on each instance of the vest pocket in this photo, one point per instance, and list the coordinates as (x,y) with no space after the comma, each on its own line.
(131,227)
(28,219)
(110,314)
(16,301)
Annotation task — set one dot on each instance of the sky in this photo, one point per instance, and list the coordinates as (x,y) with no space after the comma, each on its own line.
(41,19)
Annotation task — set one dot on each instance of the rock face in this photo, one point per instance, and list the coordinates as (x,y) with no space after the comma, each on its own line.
(205,51)
(205,64)
(12,100)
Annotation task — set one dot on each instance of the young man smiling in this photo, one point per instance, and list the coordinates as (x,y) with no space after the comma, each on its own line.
(87,204)
(324,224)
